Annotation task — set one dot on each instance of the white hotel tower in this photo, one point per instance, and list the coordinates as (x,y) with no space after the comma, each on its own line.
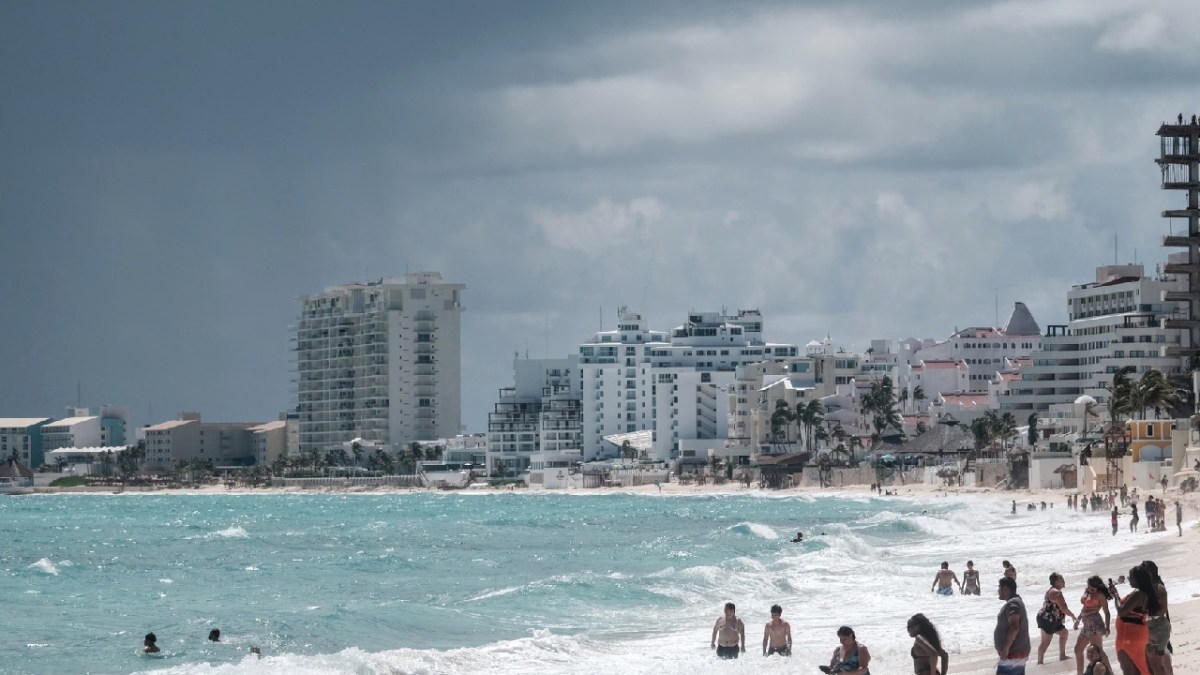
(677,385)
(379,360)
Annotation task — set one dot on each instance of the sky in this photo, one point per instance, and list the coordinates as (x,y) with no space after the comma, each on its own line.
(173,175)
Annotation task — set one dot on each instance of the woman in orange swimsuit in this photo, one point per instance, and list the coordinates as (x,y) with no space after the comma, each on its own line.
(1132,634)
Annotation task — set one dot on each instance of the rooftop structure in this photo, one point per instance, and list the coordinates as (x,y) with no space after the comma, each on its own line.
(1179,162)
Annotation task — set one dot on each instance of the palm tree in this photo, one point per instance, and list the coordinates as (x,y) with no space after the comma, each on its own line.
(918,395)
(903,398)
(1155,391)
(880,403)
(1007,427)
(1120,396)
(1031,435)
(357,451)
(781,419)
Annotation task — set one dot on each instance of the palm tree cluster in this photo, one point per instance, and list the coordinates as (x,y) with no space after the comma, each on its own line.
(1153,391)
(809,417)
(993,427)
(879,404)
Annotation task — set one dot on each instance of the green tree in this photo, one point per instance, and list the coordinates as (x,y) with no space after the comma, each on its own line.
(879,403)
(808,416)
(781,419)
(627,450)
(1120,396)
(1157,392)
(1032,433)
(918,395)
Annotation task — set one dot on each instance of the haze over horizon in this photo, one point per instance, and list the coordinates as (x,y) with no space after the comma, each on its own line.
(175,174)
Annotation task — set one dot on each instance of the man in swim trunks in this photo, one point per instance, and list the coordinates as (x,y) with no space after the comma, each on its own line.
(150,644)
(1011,636)
(777,636)
(945,580)
(731,631)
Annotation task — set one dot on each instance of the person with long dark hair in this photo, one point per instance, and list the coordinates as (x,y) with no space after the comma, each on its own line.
(1158,625)
(927,647)
(1094,619)
(1132,611)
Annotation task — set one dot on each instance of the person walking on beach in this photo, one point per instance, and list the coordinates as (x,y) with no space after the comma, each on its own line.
(1094,619)
(1115,515)
(850,657)
(1133,518)
(728,633)
(927,647)
(1011,637)
(945,580)
(777,636)
(150,644)
(970,582)
(1158,625)
(1051,618)
(1132,637)
(1179,516)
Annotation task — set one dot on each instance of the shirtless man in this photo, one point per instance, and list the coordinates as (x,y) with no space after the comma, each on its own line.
(945,580)
(150,644)
(777,636)
(731,632)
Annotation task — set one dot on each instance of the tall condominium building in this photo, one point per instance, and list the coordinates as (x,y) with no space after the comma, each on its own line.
(379,360)
(1119,320)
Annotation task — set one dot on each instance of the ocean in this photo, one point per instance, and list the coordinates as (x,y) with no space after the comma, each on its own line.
(507,583)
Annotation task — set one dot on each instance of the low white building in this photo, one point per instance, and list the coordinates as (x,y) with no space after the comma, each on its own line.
(72,432)
(269,441)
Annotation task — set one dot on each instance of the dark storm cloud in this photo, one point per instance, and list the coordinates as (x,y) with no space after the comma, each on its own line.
(175,174)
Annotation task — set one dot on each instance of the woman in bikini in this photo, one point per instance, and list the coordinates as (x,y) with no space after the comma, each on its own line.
(1132,635)
(1051,617)
(970,582)
(1094,619)
(850,657)
(927,647)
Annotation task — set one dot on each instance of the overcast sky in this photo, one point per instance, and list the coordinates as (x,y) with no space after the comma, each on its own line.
(174,174)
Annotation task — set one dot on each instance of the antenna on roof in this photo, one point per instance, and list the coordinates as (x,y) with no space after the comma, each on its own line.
(997,302)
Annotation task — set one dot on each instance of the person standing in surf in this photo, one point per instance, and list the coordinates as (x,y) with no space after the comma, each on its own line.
(728,633)
(777,636)
(945,580)
(970,582)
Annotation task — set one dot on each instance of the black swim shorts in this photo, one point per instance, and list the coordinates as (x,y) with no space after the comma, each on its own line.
(727,652)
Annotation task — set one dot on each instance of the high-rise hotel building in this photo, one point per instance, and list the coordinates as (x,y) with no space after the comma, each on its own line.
(379,360)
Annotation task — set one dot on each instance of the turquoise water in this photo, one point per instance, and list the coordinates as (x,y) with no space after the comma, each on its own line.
(484,583)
